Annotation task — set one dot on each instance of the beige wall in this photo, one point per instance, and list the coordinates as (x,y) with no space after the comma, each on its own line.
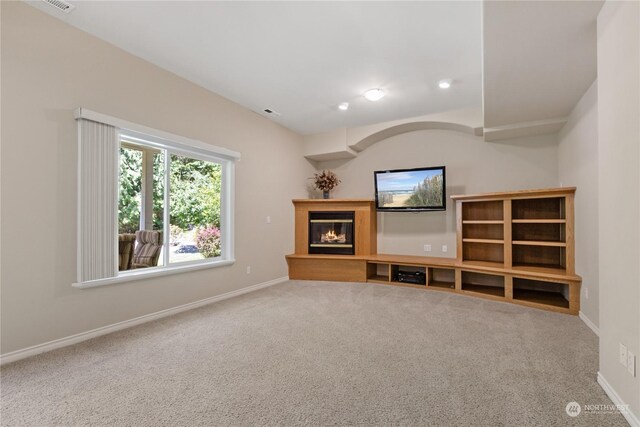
(619,192)
(578,167)
(473,166)
(48,70)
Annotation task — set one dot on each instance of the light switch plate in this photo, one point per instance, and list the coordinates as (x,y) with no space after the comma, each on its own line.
(631,363)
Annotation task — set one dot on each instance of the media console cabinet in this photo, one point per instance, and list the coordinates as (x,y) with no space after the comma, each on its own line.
(515,247)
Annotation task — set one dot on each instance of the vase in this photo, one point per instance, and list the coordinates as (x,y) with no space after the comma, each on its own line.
(325,194)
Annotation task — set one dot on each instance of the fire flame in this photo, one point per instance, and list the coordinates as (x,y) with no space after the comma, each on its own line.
(332,237)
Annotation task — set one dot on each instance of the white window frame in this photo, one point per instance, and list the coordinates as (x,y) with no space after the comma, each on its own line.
(181,146)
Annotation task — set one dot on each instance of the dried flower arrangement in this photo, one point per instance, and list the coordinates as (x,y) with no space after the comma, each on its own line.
(326,181)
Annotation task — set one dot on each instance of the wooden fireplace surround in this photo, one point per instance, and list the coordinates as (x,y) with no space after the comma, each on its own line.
(515,247)
(365,228)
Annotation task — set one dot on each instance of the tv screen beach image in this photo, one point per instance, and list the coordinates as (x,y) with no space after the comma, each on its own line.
(410,189)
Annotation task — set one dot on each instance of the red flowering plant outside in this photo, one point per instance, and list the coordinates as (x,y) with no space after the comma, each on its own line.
(208,241)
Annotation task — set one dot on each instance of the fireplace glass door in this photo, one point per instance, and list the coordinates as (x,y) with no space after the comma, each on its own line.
(331,233)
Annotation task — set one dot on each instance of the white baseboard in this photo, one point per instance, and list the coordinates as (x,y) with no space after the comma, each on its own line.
(589,323)
(631,418)
(83,336)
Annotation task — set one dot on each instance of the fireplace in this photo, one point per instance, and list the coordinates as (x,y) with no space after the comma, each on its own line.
(331,232)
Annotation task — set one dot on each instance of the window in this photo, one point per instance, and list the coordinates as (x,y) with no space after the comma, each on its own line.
(150,203)
(194,195)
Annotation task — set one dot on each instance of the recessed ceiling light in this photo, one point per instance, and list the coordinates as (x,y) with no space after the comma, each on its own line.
(374,94)
(444,84)
(344,106)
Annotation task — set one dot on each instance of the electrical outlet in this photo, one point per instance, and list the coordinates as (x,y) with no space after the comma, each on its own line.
(248,269)
(623,355)
(268,220)
(427,248)
(444,248)
(586,293)
(631,363)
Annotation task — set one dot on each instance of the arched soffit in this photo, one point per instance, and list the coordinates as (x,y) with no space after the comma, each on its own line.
(412,127)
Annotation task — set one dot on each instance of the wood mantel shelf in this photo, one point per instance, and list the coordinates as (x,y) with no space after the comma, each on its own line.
(331,201)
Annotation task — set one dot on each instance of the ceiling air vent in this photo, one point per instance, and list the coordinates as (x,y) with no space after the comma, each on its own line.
(270,111)
(61,5)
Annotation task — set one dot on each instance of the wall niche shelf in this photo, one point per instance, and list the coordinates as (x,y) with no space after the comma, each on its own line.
(516,247)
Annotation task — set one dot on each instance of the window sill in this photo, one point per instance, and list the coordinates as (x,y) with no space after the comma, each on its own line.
(144,273)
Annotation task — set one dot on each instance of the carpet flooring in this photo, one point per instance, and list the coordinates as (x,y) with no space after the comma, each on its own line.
(321,353)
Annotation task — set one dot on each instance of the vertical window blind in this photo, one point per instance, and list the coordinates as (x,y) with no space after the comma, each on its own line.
(98,200)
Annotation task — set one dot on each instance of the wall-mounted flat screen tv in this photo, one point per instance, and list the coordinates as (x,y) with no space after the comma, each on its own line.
(411,190)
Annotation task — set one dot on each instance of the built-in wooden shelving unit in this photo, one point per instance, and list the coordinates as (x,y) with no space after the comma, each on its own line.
(531,233)
(516,247)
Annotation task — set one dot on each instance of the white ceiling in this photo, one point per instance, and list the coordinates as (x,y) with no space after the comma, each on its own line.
(302,59)
(539,58)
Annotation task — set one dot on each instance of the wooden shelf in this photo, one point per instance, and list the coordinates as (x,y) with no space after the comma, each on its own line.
(441,278)
(539,221)
(541,292)
(539,232)
(378,279)
(329,257)
(488,221)
(487,231)
(541,297)
(538,268)
(491,241)
(450,286)
(483,211)
(485,290)
(539,243)
(550,256)
(484,264)
(411,260)
(482,251)
(539,208)
(481,283)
